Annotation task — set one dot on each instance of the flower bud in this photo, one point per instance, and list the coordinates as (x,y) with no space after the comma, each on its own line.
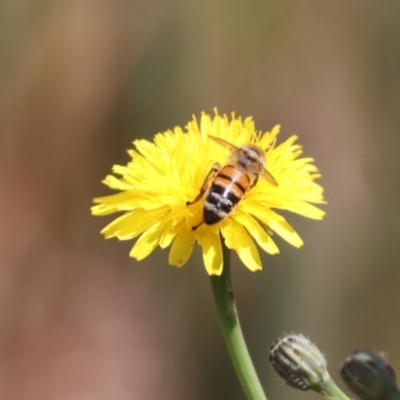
(299,362)
(369,376)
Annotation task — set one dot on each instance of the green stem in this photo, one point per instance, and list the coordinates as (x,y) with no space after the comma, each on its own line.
(331,391)
(228,316)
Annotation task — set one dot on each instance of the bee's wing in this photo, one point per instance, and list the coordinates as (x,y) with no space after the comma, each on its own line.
(266,175)
(223,143)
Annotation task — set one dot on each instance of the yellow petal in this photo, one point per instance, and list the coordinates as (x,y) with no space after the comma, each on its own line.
(279,225)
(111,204)
(182,247)
(148,241)
(257,232)
(212,251)
(284,202)
(268,139)
(303,208)
(133,223)
(170,233)
(117,183)
(238,239)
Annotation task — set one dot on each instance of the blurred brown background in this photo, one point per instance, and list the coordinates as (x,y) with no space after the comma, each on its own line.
(80,80)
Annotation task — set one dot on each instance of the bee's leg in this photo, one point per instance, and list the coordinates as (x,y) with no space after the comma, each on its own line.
(255,180)
(196,226)
(214,169)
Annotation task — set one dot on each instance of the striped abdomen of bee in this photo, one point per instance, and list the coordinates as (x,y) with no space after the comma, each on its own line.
(227,189)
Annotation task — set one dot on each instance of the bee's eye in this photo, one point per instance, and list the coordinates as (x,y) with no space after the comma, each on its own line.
(250,158)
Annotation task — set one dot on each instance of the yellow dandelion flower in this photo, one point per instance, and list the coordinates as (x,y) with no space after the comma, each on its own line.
(158,187)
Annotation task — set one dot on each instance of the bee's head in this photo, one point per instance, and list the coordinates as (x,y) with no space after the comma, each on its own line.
(250,157)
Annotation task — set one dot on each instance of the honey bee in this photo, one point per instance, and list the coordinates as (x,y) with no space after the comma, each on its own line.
(229,183)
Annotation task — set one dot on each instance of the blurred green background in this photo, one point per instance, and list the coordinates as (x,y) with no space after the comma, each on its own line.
(80,80)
